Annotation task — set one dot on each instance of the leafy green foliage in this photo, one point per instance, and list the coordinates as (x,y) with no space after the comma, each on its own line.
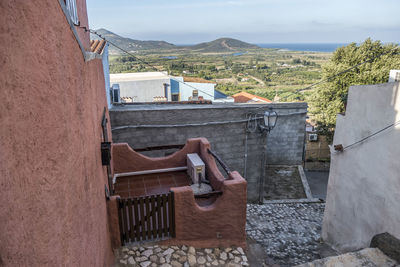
(330,98)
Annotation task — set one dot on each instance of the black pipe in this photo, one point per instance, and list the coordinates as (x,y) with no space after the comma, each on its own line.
(219,160)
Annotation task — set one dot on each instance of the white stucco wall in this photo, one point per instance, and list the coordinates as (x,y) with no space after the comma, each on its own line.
(206,90)
(364,182)
(142,87)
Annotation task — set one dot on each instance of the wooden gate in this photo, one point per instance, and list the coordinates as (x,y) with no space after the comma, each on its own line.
(146,218)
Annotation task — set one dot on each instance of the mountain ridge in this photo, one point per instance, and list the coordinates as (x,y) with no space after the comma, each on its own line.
(222,45)
(131,45)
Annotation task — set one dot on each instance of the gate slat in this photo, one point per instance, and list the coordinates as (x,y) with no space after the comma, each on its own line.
(120,219)
(170,213)
(153,216)
(131,230)
(136,212)
(148,217)
(164,207)
(125,220)
(159,222)
(142,220)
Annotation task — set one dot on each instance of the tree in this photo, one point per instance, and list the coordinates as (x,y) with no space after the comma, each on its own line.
(330,98)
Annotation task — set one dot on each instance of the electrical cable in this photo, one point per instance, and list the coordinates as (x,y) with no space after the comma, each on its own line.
(250,128)
(371,135)
(256,117)
(182,82)
(144,62)
(296,91)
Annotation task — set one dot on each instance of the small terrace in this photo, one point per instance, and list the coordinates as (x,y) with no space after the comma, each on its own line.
(159,198)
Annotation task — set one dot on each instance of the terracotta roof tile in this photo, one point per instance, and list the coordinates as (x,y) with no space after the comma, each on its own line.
(244,97)
(97,46)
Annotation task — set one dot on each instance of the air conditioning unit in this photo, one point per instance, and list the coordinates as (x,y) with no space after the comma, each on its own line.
(196,168)
(394,76)
(313,137)
(115,93)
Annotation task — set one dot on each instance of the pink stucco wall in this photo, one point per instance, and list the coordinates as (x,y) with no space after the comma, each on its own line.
(219,224)
(53,210)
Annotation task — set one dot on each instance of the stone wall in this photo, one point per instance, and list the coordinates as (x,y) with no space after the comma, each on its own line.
(158,125)
(364,181)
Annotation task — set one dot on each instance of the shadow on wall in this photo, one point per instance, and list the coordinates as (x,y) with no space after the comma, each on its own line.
(364,184)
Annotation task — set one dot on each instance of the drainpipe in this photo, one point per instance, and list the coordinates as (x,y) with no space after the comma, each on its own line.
(304,146)
(263,172)
(166,85)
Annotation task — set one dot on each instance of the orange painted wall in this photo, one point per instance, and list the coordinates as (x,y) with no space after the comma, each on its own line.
(53,208)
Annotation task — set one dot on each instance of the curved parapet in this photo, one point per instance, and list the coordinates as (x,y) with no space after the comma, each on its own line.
(127,160)
(221,224)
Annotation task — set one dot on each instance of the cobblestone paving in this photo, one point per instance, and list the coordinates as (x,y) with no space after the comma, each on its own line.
(182,256)
(289,233)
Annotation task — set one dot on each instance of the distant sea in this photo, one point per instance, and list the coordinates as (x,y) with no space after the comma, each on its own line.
(314,47)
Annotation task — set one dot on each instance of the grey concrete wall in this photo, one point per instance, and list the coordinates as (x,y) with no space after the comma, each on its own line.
(285,142)
(364,181)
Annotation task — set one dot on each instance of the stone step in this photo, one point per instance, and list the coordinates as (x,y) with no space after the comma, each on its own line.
(370,257)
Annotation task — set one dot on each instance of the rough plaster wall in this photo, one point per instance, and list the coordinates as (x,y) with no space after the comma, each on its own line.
(83,22)
(285,142)
(53,210)
(364,182)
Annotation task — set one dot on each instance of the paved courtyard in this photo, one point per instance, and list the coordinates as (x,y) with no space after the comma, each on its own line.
(289,234)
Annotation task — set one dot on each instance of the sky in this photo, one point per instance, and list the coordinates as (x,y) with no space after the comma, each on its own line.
(254,21)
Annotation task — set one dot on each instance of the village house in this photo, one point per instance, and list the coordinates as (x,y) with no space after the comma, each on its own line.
(146,87)
(363,188)
(88,183)
(54,185)
(67,189)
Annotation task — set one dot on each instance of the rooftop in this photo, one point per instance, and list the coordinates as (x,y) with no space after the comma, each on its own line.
(138,76)
(244,97)
(97,46)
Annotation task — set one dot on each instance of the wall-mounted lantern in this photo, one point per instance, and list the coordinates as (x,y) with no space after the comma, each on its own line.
(270,118)
(105,153)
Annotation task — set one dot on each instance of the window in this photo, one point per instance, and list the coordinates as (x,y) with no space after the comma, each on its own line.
(71,7)
(195,93)
(115,93)
(175,97)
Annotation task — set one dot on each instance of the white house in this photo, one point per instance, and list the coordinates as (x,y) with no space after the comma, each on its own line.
(158,86)
(142,86)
